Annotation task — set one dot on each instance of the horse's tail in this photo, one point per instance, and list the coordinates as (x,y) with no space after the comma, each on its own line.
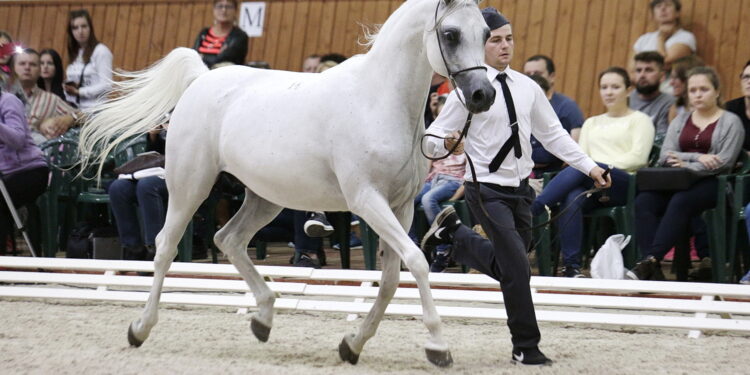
(139,104)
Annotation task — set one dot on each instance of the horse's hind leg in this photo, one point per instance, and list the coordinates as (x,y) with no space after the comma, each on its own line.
(376,212)
(233,238)
(187,190)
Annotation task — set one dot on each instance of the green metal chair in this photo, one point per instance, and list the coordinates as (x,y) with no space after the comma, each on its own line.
(723,220)
(57,203)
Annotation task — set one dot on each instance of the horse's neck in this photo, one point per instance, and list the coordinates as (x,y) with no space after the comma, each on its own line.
(398,61)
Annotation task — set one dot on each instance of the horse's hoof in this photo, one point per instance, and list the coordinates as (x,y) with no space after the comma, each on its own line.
(134,341)
(346,353)
(260,330)
(439,358)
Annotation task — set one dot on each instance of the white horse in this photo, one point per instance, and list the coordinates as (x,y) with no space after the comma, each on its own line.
(345,139)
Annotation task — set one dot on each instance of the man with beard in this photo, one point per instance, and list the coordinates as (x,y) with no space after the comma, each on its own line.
(649,72)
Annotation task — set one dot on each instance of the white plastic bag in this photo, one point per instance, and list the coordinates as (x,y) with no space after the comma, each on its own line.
(607,263)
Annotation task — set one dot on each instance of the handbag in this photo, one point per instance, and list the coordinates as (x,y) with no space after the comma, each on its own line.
(146,160)
(665,179)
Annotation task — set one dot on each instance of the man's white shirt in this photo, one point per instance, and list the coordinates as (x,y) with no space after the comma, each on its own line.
(490,130)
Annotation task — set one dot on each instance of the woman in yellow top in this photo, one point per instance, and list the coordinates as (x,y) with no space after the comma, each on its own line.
(620,139)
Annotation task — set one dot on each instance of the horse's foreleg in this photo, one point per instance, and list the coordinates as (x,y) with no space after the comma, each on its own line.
(375,211)
(179,213)
(352,345)
(233,238)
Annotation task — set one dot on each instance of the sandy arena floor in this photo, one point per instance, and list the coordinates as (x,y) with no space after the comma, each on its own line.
(46,337)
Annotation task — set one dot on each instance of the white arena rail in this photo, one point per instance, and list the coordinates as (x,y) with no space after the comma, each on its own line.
(627,303)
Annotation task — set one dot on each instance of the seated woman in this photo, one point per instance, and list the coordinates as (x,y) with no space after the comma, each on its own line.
(223,42)
(706,141)
(22,166)
(147,196)
(678,82)
(621,139)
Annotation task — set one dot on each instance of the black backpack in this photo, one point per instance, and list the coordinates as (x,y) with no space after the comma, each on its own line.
(79,244)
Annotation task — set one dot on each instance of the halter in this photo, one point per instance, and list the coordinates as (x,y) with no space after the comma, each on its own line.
(452,75)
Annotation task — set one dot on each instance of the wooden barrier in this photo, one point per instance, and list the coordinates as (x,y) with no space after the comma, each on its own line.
(658,304)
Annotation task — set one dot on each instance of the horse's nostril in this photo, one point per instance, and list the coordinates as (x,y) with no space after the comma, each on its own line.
(478,96)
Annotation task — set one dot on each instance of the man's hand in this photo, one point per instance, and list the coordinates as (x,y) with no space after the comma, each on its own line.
(666,31)
(451,140)
(597,174)
(56,126)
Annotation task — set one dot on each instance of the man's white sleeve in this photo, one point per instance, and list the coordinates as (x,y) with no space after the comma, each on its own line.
(451,118)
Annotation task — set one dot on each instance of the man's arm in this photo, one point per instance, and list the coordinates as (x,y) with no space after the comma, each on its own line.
(451,119)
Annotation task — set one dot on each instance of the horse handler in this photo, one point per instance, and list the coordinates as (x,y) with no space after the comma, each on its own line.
(499,196)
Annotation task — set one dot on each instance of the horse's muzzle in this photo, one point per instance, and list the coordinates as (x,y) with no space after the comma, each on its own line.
(477,89)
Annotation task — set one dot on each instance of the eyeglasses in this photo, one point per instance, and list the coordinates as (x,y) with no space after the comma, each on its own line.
(224,6)
(745,77)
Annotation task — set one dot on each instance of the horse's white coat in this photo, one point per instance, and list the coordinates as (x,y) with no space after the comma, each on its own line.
(345,139)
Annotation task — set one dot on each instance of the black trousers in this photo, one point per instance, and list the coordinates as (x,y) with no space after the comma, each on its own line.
(504,256)
(24,187)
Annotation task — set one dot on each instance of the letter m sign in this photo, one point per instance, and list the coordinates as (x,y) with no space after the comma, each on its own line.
(251,18)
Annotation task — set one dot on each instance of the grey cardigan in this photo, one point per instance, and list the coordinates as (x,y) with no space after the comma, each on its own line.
(726,142)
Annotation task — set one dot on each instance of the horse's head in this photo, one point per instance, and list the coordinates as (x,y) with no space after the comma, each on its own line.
(455,49)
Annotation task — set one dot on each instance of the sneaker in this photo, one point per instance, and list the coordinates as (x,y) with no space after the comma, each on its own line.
(574,272)
(647,269)
(317,225)
(530,357)
(306,261)
(441,262)
(441,231)
(745,279)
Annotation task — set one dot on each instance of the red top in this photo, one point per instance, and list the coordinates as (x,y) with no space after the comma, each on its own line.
(693,139)
(211,44)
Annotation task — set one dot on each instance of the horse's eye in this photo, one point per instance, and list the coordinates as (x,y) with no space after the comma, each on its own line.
(451,36)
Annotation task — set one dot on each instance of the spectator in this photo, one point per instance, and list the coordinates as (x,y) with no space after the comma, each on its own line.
(90,71)
(47,114)
(310,65)
(706,141)
(5,55)
(566,109)
(147,196)
(741,105)
(22,167)
(621,138)
(51,75)
(325,65)
(649,73)
(678,81)
(223,42)
(669,40)
(443,183)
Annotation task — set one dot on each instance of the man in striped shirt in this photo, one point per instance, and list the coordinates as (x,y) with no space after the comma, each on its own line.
(49,116)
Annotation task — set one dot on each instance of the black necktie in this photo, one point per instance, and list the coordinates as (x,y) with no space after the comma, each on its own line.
(514,141)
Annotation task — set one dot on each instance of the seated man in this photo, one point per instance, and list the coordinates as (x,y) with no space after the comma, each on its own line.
(565,108)
(48,115)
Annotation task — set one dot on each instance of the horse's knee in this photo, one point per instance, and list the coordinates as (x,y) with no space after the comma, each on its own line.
(417,263)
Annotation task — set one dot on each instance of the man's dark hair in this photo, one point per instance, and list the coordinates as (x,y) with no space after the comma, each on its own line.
(335,57)
(650,56)
(548,61)
(541,81)
(676,3)
(746,65)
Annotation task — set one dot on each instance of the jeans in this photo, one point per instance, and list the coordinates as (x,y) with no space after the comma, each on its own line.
(24,187)
(661,217)
(566,188)
(147,196)
(747,219)
(439,189)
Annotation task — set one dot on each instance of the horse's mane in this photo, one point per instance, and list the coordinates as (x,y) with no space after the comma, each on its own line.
(371,31)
